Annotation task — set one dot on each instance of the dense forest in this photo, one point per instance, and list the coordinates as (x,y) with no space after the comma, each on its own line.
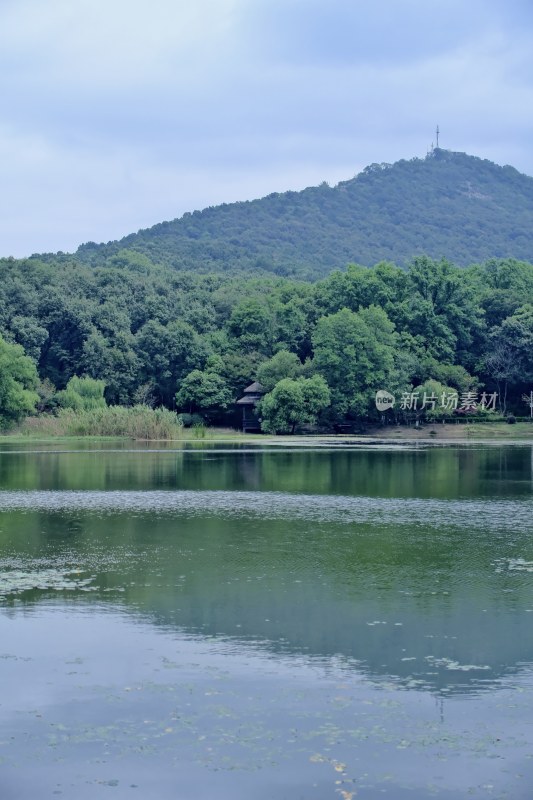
(445,205)
(185,315)
(136,333)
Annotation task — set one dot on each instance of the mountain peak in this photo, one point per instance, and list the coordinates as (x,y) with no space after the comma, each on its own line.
(448,204)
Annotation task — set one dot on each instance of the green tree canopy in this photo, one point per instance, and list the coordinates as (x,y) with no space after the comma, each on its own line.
(355,353)
(441,311)
(18,383)
(201,391)
(167,353)
(250,323)
(509,356)
(82,394)
(292,403)
(282,365)
(432,397)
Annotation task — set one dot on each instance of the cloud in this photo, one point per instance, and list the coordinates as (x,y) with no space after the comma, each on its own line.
(104,44)
(343,33)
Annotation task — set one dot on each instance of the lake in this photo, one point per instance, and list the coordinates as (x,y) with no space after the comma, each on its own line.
(238,621)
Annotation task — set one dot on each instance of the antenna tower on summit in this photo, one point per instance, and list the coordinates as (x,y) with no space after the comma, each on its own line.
(437,132)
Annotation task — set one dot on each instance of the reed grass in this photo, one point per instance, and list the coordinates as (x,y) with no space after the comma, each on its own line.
(136,422)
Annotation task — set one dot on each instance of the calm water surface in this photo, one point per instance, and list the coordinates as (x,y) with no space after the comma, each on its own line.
(247,621)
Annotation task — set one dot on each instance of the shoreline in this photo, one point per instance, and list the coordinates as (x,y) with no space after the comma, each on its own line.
(496,433)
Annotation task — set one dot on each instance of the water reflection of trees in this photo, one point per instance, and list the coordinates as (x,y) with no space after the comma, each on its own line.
(441,472)
(392,601)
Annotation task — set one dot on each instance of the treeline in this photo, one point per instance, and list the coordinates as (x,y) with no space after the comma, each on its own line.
(192,343)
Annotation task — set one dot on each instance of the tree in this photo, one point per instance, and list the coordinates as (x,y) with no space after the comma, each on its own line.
(250,323)
(28,333)
(441,311)
(290,325)
(517,332)
(66,318)
(167,353)
(18,383)
(282,365)
(355,353)
(509,360)
(113,360)
(237,367)
(82,394)
(432,392)
(293,402)
(47,396)
(202,391)
(500,365)
(360,287)
(503,285)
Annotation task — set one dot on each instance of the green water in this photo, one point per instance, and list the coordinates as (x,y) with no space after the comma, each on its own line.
(238,622)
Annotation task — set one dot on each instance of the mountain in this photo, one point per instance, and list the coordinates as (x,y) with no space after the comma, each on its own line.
(445,205)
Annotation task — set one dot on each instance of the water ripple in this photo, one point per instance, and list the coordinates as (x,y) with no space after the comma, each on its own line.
(501,515)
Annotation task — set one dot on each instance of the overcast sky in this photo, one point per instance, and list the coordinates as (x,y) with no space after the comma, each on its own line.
(118,114)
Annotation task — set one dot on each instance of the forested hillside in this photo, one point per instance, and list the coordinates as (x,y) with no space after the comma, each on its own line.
(193,342)
(183,316)
(446,205)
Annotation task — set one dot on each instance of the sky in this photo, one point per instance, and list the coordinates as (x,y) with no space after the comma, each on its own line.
(118,114)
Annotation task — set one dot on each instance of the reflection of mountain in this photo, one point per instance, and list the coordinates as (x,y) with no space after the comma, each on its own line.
(422,603)
(425,612)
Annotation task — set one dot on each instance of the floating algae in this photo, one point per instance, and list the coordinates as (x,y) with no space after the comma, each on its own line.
(19,581)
